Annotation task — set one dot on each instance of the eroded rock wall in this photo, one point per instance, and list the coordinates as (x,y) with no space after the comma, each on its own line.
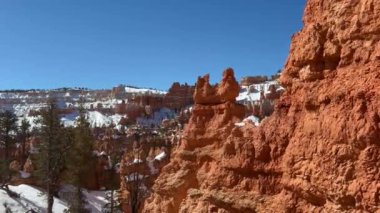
(320,149)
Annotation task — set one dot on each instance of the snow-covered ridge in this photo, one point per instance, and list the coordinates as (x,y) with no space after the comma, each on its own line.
(129,89)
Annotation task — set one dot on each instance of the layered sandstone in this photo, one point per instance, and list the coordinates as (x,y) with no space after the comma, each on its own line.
(179,96)
(249,80)
(318,152)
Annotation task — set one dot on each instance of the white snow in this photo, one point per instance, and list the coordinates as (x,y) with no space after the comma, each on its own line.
(98,119)
(134,176)
(156,118)
(160,156)
(251,118)
(95,118)
(95,199)
(144,90)
(24,174)
(252,92)
(137,161)
(30,198)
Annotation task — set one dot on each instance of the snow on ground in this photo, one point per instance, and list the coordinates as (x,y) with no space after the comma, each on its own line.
(250,118)
(252,92)
(95,118)
(31,198)
(106,103)
(25,103)
(24,109)
(24,174)
(33,121)
(160,156)
(95,199)
(98,119)
(156,118)
(143,90)
(134,176)
(253,119)
(70,119)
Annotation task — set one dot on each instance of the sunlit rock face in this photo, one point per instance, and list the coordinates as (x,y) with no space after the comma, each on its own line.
(318,151)
(179,96)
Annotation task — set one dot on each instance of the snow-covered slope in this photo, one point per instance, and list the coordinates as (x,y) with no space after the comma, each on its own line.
(98,119)
(31,198)
(95,118)
(156,118)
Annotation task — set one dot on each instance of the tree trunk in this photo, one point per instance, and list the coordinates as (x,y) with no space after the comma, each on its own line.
(50,199)
(112,201)
(23,159)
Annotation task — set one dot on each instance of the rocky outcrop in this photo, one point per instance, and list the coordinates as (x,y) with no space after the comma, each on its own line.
(179,96)
(249,80)
(335,35)
(320,149)
(207,94)
(152,100)
(204,139)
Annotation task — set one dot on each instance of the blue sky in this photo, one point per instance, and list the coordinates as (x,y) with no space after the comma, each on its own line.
(148,43)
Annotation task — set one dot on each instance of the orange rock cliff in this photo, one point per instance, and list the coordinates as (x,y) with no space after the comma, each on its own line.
(320,149)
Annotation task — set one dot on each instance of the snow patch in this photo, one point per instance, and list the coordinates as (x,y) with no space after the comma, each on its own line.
(144,91)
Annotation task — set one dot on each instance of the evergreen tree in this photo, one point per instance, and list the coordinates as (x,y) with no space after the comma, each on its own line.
(24,134)
(52,149)
(8,129)
(80,162)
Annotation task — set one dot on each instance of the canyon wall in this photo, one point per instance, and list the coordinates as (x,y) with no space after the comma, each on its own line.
(320,149)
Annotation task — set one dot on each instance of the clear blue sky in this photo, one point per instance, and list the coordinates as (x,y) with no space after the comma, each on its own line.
(148,43)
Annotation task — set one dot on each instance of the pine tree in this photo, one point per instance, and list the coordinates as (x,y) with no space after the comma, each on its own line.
(134,176)
(80,162)
(24,134)
(8,129)
(52,149)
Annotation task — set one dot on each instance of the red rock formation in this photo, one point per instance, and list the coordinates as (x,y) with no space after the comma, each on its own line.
(15,166)
(179,96)
(318,152)
(155,101)
(212,121)
(249,80)
(28,166)
(227,91)
(121,108)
